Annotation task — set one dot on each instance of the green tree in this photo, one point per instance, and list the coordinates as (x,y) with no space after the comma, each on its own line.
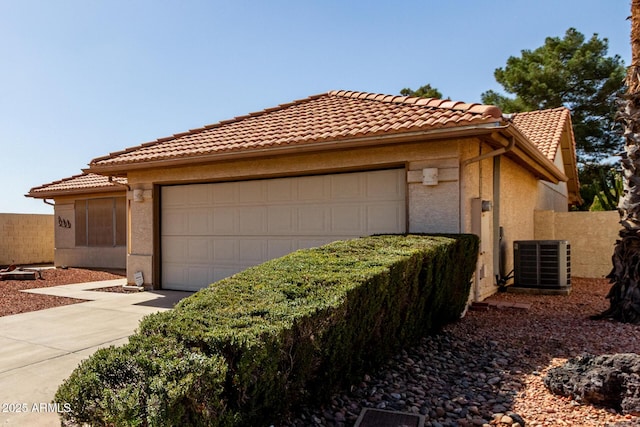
(607,190)
(425,91)
(570,72)
(594,178)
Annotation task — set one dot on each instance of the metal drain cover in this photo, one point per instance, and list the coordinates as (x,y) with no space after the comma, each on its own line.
(379,418)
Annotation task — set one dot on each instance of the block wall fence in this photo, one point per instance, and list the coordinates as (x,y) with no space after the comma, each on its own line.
(26,239)
(592,236)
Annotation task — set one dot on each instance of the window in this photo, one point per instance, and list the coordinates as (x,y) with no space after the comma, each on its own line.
(101,222)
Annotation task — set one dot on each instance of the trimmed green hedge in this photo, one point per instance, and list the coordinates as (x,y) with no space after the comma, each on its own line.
(246,349)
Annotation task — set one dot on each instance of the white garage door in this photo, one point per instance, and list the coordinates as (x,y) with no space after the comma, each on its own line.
(211,231)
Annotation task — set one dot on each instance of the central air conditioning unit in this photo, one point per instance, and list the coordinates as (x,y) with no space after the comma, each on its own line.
(542,264)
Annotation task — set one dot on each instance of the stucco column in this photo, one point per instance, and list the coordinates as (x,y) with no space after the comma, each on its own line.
(140,246)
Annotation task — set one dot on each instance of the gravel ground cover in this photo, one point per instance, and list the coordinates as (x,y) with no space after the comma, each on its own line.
(12,301)
(486,369)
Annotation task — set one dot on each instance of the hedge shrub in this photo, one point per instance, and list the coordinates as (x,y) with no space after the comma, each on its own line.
(246,349)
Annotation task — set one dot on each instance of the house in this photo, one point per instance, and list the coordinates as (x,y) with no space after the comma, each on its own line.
(209,202)
(90,220)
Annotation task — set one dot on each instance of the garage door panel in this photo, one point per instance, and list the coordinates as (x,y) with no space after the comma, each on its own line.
(198,221)
(225,193)
(174,197)
(252,220)
(251,191)
(187,277)
(224,221)
(280,247)
(225,250)
(381,217)
(313,219)
(174,275)
(281,190)
(199,250)
(384,187)
(347,219)
(346,187)
(198,195)
(222,272)
(174,248)
(200,274)
(312,189)
(252,250)
(174,222)
(281,219)
(234,225)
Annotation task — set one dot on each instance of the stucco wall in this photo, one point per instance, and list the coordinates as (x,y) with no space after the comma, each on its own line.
(26,239)
(423,198)
(64,227)
(141,235)
(97,257)
(446,207)
(591,235)
(518,201)
(477,177)
(70,255)
(430,208)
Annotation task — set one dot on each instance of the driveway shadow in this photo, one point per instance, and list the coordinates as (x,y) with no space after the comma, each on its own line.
(164,299)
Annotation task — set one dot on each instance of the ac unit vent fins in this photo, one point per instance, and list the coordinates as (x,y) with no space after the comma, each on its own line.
(542,264)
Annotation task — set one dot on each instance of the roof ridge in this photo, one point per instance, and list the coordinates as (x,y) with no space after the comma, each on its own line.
(473,108)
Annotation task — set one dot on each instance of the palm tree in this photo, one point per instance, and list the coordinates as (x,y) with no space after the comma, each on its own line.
(624,296)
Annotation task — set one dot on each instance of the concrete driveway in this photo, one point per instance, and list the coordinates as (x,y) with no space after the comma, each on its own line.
(38,350)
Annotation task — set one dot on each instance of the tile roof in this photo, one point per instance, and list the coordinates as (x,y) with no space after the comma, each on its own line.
(543,127)
(79,183)
(333,116)
(546,130)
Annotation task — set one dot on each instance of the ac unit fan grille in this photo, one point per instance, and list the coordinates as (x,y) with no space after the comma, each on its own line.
(542,264)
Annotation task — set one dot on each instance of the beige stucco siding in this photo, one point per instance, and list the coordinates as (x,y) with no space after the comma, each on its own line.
(65,234)
(477,177)
(434,208)
(518,201)
(451,204)
(521,195)
(66,251)
(430,208)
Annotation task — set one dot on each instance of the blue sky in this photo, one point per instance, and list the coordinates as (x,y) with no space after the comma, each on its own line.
(82,78)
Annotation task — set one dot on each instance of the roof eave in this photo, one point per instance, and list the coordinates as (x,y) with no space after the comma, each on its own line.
(367,141)
(73,192)
(567,146)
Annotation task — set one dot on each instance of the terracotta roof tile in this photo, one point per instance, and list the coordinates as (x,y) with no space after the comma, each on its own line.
(543,127)
(334,116)
(81,182)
